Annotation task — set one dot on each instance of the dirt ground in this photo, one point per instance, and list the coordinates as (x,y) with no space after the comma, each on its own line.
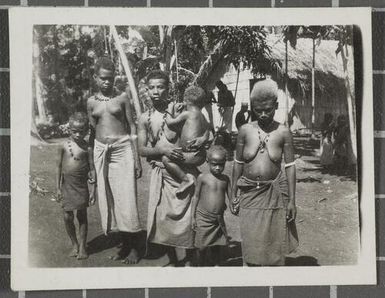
(327,220)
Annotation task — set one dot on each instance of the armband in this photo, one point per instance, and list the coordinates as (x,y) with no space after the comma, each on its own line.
(238,161)
(133,137)
(290,164)
(91,181)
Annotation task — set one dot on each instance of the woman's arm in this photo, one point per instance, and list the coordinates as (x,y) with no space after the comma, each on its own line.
(59,162)
(91,140)
(288,151)
(238,162)
(131,124)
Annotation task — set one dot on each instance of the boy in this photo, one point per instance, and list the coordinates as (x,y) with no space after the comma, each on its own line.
(192,124)
(72,189)
(266,204)
(208,207)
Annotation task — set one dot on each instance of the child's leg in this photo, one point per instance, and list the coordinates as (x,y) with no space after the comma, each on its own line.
(176,170)
(83,227)
(171,254)
(216,255)
(202,256)
(70,228)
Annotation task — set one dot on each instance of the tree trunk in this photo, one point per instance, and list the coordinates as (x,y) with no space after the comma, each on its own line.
(127,69)
(313,92)
(38,86)
(349,99)
(286,87)
(208,65)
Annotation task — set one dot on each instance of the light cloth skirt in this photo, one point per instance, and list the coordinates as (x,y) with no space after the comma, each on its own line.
(115,171)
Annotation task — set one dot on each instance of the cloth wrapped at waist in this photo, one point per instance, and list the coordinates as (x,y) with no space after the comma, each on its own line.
(169,217)
(210,229)
(257,194)
(266,234)
(75,190)
(115,171)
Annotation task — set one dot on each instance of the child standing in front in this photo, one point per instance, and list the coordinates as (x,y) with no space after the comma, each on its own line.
(208,206)
(72,183)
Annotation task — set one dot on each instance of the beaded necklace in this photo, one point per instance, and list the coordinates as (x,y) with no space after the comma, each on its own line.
(262,141)
(101,97)
(71,152)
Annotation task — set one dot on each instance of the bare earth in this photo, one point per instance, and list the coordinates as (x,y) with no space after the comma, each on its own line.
(327,220)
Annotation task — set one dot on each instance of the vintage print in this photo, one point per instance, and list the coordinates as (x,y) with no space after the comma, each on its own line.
(197,146)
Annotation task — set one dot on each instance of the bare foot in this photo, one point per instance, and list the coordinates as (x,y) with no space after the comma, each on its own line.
(74,252)
(185,184)
(132,258)
(82,254)
(116,257)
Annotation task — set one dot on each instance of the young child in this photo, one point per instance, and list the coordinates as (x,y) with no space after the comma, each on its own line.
(192,124)
(72,187)
(208,206)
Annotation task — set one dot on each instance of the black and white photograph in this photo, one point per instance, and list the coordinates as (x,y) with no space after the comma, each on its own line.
(274,112)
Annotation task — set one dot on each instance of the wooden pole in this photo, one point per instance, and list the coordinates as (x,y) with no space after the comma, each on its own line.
(313,92)
(176,60)
(127,69)
(349,99)
(286,82)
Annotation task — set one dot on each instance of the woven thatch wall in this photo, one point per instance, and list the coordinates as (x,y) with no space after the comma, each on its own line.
(330,92)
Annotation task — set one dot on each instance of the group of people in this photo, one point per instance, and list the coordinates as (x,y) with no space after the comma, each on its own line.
(335,147)
(185,207)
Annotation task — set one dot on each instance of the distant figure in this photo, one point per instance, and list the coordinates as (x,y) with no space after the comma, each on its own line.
(72,187)
(226,103)
(243,116)
(266,203)
(192,124)
(326,148)
(208,206)
(341,142)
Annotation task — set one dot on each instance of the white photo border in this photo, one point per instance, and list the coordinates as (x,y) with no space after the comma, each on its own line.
(24,277)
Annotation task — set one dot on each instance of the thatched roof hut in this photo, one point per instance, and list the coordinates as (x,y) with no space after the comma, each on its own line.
(330,90)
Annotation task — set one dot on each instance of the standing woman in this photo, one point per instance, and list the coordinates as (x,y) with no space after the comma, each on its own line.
(267,207)
(115,162)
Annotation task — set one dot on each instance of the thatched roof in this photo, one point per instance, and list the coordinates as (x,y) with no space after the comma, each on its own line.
(329,75)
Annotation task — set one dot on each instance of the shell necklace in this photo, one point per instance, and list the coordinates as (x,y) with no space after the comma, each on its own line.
(262,141)
(101,97)
(72,153)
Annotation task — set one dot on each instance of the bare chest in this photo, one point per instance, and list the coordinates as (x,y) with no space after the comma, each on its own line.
(258,141)
(107,108)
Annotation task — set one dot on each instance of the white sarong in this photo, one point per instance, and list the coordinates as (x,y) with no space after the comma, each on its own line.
(115,171)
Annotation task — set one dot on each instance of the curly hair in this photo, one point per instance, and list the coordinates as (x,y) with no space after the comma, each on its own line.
(105,63)
(158,74)
(79,117)
(217,150)
(194,94)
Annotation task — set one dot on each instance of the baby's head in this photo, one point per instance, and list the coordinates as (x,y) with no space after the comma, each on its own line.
(78,125)
(194,95)
(216,158)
